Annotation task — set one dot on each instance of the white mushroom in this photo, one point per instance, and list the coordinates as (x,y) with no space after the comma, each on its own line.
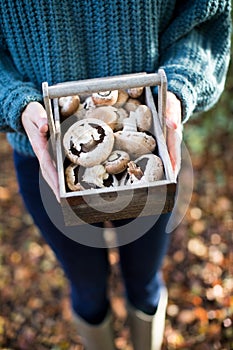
(72,177)
(95,175)
(68,105)
(106,98)
(132,141)
(88,142)
(117,162)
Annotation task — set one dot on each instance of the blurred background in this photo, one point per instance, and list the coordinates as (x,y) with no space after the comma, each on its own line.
(34,294)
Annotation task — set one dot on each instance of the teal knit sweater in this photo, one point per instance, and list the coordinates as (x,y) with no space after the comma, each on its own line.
(57,41)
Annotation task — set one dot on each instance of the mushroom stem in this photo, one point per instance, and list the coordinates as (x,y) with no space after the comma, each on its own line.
(134,170)
(130,123)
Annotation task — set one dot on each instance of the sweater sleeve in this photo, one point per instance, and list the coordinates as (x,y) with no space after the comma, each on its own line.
(195,52)
(15,94)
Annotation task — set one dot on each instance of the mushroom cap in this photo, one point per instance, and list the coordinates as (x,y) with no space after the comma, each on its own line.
(135,92)
(88,142)
(68,105)
(152,167)
(107,114)
(107,98)
(117,162)
(72,177)
(135,143)
(122,98)
(131,105)
(145,169)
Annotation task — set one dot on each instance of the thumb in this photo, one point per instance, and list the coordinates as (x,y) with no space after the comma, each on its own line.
(36,112)
(42,124)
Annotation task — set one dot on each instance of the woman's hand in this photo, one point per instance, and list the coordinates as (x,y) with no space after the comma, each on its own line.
(34,120)
(174,130)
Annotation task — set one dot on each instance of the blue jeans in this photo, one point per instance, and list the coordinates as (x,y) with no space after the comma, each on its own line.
(87,268)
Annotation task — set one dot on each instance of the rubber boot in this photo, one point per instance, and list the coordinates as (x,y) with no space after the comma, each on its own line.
(147,331)
(95,337)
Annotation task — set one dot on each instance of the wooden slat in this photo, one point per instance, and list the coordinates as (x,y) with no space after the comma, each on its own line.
(159,200)
(103,84)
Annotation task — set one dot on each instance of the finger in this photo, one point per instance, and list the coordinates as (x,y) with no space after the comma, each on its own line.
(43,126)
(174,140)
(171,124)
(49,173)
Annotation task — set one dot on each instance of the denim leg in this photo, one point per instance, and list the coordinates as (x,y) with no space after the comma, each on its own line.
(86,267)
(141,262)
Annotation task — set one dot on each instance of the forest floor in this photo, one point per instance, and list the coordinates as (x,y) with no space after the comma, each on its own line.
(35,310)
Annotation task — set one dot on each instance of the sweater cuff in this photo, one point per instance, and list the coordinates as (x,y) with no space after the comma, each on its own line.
(15,103)
(184,91)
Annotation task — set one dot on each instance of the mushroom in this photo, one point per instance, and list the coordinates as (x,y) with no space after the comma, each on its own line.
(68,105)
(143,116)
(132,141)
(117,162)
(131,105)
(135,92)
(121,115)
(107,98)
(72,177)
(88,103)
(134,171)
(153,169)
(147,168)
(108,114)
(122,98)
(111,181)
(95,175)
(88,142)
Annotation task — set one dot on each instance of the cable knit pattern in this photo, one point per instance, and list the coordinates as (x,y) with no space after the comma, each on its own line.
(57,41)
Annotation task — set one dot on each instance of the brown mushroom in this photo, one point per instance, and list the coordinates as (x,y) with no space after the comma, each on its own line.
(122,98)
(88,142)
(107,98)
(117,162)
(147,168)
(131,105)
(143,116)
(68,105)
(121,115)
(107,114)
(132,141)
(72,177)
(88,103)
(134,171)
(95,175)
(135,92)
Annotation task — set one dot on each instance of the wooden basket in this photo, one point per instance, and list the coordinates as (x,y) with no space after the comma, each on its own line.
(111,203)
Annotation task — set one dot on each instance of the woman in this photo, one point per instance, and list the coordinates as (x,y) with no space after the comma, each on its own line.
(58,41)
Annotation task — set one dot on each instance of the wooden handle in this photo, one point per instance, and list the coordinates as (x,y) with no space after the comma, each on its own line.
(88,86)
(103,84)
